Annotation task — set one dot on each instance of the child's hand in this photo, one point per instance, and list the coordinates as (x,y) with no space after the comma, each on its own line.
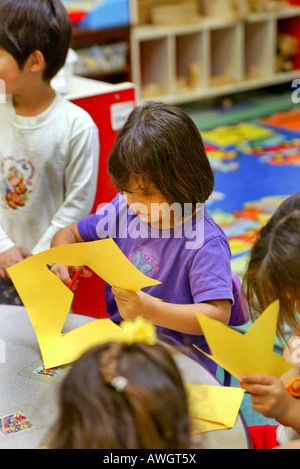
(8,258)
(62,272)
(65,273)
(269,395)
(131,304)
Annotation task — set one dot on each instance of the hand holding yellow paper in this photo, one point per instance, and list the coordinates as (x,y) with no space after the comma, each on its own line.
(213,407)
(249,353)
(48,301)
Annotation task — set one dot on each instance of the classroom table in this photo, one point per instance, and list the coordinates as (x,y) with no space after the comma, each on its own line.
(34,396)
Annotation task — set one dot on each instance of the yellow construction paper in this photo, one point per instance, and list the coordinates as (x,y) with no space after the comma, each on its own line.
(249,353)
(48,301)
(213,407)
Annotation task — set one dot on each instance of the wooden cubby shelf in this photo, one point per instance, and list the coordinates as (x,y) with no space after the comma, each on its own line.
(213,57)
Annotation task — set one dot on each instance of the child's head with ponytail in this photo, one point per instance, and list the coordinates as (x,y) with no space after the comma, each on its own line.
(126,394)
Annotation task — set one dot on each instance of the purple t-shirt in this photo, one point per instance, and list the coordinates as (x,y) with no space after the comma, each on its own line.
(191,261)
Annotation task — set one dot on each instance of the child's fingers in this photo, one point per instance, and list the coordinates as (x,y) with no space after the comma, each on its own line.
(256,384)
(3,274)
(85,272)
(260,382)
(62,272)
(259,379)
(254,389)
(296,386)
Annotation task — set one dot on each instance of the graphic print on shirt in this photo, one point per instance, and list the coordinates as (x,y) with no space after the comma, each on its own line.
(141,264)
(16,181)
(145,260)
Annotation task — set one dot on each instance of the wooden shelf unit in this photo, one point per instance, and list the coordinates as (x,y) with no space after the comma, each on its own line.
(214,57)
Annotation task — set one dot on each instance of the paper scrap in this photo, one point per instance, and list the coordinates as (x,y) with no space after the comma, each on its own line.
(48,301)
(213,407)
(249,353)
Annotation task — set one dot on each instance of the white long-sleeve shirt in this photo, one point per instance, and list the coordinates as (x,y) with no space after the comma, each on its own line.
(48,173)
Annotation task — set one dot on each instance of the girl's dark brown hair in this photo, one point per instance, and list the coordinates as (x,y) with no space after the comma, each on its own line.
(273,271)
(29,25)
(161,145)
(151,411)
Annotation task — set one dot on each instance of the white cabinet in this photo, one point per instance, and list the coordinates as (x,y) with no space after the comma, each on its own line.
(210,58)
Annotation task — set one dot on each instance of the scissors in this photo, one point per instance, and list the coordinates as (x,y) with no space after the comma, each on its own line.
(75,276)
(290,389)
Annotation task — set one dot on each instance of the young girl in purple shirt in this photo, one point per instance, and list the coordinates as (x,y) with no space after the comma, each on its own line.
(158,220)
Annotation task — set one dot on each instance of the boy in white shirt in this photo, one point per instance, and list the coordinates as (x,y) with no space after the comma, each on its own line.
(49,147)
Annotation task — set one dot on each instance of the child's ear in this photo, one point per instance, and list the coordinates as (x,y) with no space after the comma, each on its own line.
(36,61)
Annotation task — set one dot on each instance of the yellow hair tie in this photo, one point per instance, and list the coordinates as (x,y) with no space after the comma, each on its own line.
(138,330)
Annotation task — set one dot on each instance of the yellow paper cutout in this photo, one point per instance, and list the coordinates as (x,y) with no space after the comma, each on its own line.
(249,353)
(48,301)
(213,407)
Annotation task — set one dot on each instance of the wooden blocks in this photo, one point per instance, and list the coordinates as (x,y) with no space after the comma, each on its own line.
(185,12)
(168,12)
(216,55)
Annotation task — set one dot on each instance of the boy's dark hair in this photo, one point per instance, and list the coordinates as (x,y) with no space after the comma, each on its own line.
(160,144)
(29,25)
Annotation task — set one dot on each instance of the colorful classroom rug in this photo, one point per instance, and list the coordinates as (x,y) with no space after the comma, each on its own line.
(256,165)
